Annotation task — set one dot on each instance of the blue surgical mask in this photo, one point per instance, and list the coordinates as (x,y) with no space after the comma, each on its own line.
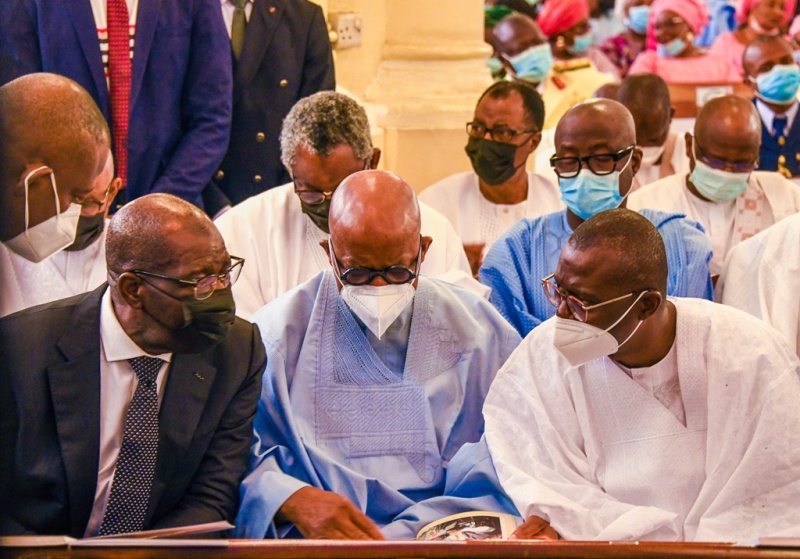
(495,66)
(716,185)
(637,19)
(588,194)
(533,64)
(673,48)
(581,44)
(780,84)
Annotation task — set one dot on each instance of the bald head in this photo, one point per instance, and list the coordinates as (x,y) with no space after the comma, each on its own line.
(602,118)
(728,122)
(140,235)
(646,96)
(516,33)
(764,52)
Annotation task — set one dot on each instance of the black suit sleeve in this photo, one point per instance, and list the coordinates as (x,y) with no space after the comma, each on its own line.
(213,494)
(19,40)
(318,72)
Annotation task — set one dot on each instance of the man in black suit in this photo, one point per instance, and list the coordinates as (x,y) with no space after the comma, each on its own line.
(131,407)
(286,56)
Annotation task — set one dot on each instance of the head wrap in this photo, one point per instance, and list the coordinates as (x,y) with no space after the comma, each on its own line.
(744,7)
(493,14)
(559,15)
(794,29)
(693,12)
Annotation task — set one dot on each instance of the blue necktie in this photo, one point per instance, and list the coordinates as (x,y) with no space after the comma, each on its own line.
(136,464)
(779,125)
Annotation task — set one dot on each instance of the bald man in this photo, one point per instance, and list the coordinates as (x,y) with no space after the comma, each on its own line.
(54,143)
(526,55)
(631,416)
(77,269)
(773,75)
(596,160)
(131,407)
(646,96)
(325,138)
(723,191)
(376,376)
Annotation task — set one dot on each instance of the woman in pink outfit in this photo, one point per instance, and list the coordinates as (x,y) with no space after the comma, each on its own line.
(675,24)
(755,17)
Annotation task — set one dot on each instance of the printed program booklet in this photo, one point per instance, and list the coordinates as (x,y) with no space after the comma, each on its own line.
(475,525)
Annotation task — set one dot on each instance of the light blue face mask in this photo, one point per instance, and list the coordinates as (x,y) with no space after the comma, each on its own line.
(588,194)
(715,185)
(673,48)
(581,44)
(780,84)
(534,63)
(495,66)
(637,19)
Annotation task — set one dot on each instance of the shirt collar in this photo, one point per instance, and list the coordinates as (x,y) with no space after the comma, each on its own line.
(768,115)
(117,345)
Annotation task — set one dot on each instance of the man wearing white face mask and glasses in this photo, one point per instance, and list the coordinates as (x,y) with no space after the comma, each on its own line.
(723,191)
(630,416)
(54,144)
(376,377)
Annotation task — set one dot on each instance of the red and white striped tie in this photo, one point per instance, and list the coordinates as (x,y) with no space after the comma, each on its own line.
(119,77)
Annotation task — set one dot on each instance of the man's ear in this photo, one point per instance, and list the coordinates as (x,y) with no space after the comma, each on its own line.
(671,113)
(35,172)
(650,301)
(689,141)
(376,158)
(636,160)
(129,287)
(426,244)
(535,140)
(324,243)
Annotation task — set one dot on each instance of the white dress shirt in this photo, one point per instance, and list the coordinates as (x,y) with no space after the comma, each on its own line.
(768,115)
(118,382)
(662,382)
(227,13)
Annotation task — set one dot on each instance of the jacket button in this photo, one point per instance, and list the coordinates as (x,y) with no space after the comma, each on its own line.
(272,9)
(257,178)
(260,137)
(220,175)
(283,83)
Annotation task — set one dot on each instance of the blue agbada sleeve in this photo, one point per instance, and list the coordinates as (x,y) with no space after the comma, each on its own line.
(507,269)
(471,485)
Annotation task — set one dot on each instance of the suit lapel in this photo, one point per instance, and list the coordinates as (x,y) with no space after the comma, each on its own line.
(260,31)
(75,392)
(189,384)
(86,30)
(146,23)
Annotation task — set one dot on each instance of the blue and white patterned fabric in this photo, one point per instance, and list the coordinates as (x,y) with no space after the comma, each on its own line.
(529,251)
(373,420)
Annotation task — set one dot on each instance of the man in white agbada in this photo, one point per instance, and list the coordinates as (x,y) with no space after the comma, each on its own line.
(54,144)
(325,138)
(723,192)
(630,416)
(375,378)
(663,151)
(484,203)
(762,277)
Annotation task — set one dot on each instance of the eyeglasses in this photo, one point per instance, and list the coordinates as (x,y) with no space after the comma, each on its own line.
(600,164)
(722,165)
(500,134)
(670,23)
(204,287)
(313,197)
(362,276)
(577,308)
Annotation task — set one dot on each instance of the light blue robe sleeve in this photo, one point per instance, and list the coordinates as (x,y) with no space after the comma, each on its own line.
(688,255)
(471,485)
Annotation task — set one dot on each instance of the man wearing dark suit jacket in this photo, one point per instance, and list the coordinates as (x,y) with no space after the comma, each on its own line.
(131,407)
(180,80)
(286,56)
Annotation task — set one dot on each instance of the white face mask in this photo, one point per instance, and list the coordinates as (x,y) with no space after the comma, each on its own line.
(651,154)
(50,236)
(378,306)
(580,342)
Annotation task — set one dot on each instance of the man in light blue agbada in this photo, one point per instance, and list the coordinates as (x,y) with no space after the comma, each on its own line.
(375,378)
(596,159)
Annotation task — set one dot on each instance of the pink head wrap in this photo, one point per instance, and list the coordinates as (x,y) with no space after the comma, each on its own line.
(693,12)
(559,15)
(744,7)
(794,29)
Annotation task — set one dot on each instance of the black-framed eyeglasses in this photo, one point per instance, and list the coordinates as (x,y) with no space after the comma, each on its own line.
(362,276)
(578,309)
(599,164)
(204,287)
(502,134)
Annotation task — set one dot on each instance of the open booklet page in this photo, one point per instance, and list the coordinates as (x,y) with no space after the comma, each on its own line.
(474,525)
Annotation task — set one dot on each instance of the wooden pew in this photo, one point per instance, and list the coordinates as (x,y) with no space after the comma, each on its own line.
(687,98)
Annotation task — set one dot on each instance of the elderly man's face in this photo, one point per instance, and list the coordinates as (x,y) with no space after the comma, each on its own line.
(511,40)
(105,189)
(724,150)
(498,113)
(652,128)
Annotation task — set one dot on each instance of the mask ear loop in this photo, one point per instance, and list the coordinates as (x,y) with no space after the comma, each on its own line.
(25,183)
(621,318)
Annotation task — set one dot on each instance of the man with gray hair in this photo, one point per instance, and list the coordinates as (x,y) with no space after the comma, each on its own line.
(325,138)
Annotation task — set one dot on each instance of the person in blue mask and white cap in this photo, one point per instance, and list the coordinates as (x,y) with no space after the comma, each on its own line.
(596,159)
(774,77)
(723,191)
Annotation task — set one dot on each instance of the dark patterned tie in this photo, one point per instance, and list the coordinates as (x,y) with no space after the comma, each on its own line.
(238,27)
(779,124)
(136,464)
(119,81)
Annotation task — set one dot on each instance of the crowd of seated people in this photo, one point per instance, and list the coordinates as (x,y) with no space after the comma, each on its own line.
(595,330)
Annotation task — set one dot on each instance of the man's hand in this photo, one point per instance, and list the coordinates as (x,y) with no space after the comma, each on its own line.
(475,256)
(534,528)
(324,515)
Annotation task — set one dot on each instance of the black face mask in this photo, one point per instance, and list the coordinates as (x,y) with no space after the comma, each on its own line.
(89,230)
(210,319)
(318,213)
(492,161)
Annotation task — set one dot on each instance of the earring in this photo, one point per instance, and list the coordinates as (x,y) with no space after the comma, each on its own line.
(690,37)
(560,42)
